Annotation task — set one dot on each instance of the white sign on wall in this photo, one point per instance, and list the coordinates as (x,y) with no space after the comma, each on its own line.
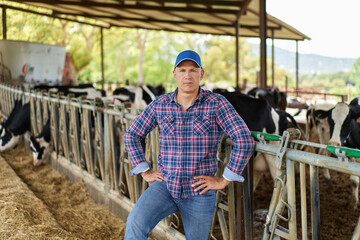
(32,62)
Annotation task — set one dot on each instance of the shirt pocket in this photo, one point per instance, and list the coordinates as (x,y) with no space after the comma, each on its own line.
(167,125)
(201,125)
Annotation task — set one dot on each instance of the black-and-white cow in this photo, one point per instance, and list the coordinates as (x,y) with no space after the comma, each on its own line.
(18,124)
(40,145)
(138,96)
(276,98)
(87,90)
(260,116)
(17,105)
(341,121)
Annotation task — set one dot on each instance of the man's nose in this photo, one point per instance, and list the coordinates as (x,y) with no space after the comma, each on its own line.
(187,74)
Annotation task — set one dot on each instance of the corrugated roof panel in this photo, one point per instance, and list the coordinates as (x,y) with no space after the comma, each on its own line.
(211,17)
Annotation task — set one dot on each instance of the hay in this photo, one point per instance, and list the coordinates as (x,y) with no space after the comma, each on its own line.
(43,204)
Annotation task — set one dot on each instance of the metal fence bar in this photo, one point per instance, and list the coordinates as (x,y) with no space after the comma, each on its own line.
(290,172)
(315,202)
(303,201)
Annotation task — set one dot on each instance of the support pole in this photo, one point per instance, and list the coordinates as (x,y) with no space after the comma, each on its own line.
(4,22)
(272,60)
(237,55)
(297,67)
(263,43)
(102,58)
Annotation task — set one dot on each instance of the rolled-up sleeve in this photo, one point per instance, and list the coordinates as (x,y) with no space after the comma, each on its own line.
(135,134)
(235,128)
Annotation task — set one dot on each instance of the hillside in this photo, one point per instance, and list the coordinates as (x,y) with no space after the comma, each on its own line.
(308,63)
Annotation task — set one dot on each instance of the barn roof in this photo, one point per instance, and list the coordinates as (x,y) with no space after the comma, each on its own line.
(195,16)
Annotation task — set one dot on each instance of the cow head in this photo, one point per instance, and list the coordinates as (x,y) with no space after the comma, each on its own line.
(338,119)
(40,149)
(8,140)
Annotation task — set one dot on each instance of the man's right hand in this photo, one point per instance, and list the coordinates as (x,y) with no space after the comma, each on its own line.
(151,176)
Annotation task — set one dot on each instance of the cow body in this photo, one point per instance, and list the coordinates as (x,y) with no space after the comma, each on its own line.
(15,127)
(260,116)
(17,105)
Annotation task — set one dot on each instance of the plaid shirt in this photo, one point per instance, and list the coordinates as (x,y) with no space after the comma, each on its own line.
(188,141)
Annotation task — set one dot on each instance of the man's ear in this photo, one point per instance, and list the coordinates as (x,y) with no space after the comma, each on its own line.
(202,74)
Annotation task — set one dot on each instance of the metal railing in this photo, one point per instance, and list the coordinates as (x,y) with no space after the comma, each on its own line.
(284,194)
(87,138)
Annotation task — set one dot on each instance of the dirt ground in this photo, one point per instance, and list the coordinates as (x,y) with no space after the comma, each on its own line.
(56,208)
(53,208)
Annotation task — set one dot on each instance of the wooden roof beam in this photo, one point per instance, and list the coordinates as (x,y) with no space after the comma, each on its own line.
(105,25)
(189,22)
(234,3)
(130,7)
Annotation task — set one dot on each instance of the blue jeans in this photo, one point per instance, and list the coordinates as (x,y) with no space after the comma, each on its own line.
(156,203)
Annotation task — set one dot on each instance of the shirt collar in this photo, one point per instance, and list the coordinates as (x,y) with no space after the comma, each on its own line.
(199,98)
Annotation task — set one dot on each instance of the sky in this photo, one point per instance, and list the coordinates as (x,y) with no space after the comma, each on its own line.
(332,25)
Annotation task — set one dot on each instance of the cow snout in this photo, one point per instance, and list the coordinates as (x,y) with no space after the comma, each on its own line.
(37,162)
(334,144)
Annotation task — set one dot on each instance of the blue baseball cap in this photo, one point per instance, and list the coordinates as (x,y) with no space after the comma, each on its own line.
(188,55)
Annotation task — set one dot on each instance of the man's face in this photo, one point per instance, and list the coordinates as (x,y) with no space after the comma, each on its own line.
(188,76)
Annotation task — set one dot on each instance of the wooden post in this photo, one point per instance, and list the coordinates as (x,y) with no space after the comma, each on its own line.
(263,29)
(102,58)
(4,22)
(297,67)
(237,54)
(272,60)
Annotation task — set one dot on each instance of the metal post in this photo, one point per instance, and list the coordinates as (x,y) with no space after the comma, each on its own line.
(248,198)
(315,202)
(303,201)
(290,171)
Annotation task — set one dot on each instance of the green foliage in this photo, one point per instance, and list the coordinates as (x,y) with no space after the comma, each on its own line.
(335,83)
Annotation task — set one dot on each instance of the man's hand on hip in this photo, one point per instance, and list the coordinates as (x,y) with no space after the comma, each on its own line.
(151,176)
(209,183)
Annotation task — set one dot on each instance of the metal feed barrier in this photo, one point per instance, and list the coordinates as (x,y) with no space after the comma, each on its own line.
(86,139)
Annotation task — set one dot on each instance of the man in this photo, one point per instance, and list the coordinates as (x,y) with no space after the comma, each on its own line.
(191,121)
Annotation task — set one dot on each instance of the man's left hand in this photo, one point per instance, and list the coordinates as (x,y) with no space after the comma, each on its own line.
(209,183)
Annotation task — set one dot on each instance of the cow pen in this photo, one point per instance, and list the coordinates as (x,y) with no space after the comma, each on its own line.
(87,144)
